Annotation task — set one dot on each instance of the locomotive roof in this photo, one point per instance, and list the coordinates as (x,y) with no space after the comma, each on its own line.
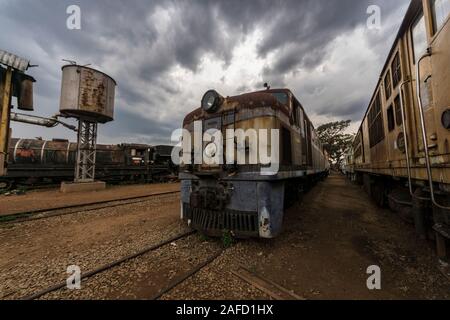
(257,99)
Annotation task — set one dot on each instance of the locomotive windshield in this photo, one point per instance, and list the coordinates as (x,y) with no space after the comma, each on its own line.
(281,97)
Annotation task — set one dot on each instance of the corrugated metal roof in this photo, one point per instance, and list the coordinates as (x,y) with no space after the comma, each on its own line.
(13,61)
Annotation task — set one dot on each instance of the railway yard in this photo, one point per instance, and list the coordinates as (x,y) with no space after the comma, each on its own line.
(220,159)
(130,243)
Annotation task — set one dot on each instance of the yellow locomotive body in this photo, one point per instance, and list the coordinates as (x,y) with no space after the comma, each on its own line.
(240,197)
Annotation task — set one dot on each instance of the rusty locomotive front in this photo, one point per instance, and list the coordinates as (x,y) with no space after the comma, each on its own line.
(247,198)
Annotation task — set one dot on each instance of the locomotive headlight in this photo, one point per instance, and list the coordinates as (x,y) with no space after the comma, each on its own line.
(211,150)
(211,101)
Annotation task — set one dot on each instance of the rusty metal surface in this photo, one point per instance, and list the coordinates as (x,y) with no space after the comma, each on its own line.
(266,110)
(36,152)
(254,100)
(238,198)
(5,111)
(34,161)
(25,97)
(62,152)
(13,61)
(87,93)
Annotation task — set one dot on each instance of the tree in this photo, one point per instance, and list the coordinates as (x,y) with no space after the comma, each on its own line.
(337,141)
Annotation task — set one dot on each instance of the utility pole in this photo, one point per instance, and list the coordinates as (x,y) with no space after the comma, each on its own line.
(5,110)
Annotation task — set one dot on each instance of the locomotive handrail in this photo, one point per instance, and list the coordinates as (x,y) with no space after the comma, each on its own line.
(424,131)
(405,134)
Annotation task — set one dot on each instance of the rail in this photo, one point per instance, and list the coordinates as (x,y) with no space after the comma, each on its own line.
(27,216)
(109,266)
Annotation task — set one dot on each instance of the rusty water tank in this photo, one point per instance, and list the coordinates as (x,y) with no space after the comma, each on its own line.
(87,93)
(25,95)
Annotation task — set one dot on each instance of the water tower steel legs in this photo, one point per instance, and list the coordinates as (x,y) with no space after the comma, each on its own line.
(87,145)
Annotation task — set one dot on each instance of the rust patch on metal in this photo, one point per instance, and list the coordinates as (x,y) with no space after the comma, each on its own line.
(259,99)
(25,153)
(92,92)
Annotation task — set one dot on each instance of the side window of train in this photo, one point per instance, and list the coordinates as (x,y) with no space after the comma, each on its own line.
(302,122)
(298,115)
(440,10)
(286,147)
(396,70)
(391,119)
(398,111)
(357,145)
(419,37)
(387,85)
(305,128)
(295,113)
(420,44)
(376,126)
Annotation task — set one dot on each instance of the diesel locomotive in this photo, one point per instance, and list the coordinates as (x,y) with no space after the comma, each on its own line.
(401,153)
(37,162)
(247,198)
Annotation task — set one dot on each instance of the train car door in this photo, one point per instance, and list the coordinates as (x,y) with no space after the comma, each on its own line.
(297,134)
(419,40)
(439,25)
(309,144)
(303,138)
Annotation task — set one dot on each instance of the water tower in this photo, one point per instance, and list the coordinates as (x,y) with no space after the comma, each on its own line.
(87,95)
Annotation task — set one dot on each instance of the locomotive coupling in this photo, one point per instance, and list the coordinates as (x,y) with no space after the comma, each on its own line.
(211,198)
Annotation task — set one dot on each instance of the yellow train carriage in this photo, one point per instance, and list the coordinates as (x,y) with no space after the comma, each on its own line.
(405,134)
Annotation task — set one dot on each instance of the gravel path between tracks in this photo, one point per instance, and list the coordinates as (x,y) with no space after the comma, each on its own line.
(53,198)
(36,254)
(144,277)
(327,245)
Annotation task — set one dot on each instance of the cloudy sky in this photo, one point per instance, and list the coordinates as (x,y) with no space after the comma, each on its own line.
(165,54)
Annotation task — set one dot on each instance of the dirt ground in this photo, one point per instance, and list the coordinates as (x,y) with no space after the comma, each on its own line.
(36,254)
(53,198)
(328,243)
(333,238)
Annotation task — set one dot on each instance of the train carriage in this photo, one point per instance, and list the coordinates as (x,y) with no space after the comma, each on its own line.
(239,198)
(36,162)
(401,153)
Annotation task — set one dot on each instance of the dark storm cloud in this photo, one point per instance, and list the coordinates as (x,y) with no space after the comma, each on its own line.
(146,130)
(138,42)
(303,31)
(351,111)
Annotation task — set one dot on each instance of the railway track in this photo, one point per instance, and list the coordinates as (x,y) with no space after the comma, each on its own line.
(39,214)
(170,286)
(5,187)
